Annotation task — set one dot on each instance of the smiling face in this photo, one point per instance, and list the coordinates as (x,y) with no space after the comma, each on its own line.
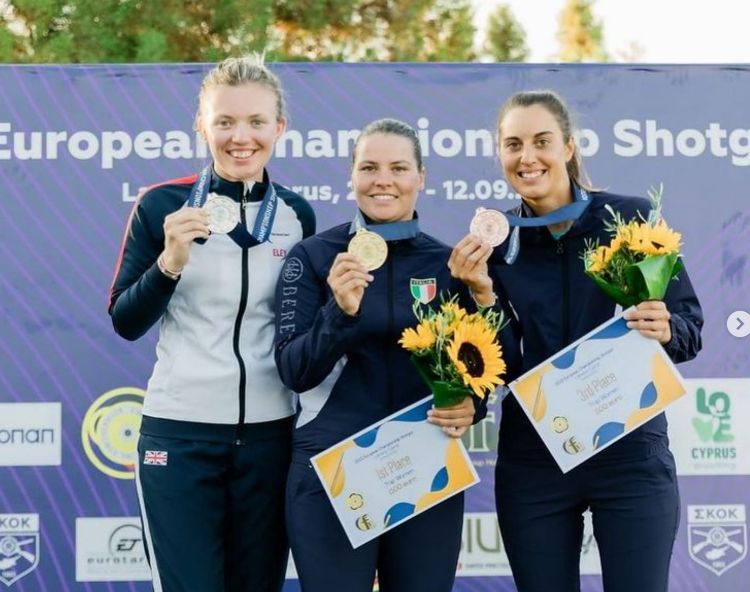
(386,177)
(240,126)
(534,156)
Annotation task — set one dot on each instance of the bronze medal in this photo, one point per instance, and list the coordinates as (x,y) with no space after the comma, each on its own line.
(491,226)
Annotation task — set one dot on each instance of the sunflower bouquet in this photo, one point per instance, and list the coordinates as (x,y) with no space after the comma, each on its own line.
(455,352)
(641,259)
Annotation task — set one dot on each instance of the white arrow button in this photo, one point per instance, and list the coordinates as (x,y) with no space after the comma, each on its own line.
(738,323)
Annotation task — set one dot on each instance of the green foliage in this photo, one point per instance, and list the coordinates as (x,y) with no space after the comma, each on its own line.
(505,39)
(580,34)
(117,31)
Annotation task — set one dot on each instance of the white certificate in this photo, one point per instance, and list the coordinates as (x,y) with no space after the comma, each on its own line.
(392,471)
(597,390)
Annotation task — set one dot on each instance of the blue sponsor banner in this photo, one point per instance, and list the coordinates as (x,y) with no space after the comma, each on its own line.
(78,142)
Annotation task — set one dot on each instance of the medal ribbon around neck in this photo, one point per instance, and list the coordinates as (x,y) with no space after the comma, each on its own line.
(390,231)
(571,211)
(239,234)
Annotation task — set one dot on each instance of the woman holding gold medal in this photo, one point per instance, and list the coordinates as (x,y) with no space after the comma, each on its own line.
(631,486)
(344,298)
(214,445)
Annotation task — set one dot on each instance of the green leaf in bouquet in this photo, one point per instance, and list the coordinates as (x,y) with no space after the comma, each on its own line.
(447,394)
(444,393)
(649,279)
(613,291)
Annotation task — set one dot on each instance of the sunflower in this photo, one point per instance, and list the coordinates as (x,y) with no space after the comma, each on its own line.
(421,338)
(658,239)
(624,235)
(476,356)
(597,260)
(450,317)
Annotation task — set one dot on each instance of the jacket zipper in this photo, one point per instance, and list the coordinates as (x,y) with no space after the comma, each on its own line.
(237,328)
(565,293)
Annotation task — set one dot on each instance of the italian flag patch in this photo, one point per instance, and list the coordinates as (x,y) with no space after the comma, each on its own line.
(423,290)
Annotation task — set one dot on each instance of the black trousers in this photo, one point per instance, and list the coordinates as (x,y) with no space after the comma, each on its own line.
(419,555)
(635,508)
(213,516)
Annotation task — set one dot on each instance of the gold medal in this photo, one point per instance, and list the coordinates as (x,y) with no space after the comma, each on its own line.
(490,226)
(369,248)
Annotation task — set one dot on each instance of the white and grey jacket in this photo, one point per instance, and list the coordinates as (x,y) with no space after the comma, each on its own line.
(215,362)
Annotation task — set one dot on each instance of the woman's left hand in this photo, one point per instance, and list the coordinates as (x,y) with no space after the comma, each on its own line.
(651,319)
(468,263)
(454,420)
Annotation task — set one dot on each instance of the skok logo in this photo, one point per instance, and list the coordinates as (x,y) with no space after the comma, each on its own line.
(19,546)
(717,536)
(713,424)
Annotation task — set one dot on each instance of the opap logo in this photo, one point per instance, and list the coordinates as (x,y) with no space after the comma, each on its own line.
(30,434)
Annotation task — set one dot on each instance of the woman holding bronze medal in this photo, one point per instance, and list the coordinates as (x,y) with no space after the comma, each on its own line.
(344,298)
(631,486)
(214,444)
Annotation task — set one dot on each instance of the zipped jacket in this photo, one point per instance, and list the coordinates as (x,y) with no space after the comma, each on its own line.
(350,371)
(216,322)
(556,304)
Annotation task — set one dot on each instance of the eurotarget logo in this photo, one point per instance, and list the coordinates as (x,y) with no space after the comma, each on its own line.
(110,550)
(110,431)
(19,546)
(30,434)
(704,428)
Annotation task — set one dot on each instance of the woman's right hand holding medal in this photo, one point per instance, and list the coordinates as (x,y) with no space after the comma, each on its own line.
(348,279)
(181,228)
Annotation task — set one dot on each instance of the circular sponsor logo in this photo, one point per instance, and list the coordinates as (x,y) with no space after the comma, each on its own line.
(110,431)
(292,271)
(126,541)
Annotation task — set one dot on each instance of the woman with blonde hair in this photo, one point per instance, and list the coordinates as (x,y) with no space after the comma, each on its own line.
(201,256)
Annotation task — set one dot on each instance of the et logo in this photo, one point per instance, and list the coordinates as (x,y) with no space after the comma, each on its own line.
(110,431)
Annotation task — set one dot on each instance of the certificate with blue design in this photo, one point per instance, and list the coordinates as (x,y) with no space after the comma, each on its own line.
(392,471)
(597,390)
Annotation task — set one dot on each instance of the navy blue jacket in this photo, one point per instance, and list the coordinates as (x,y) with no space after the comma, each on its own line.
(350,371)
(557,303)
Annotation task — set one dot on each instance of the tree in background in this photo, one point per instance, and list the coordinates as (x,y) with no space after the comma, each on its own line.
(580,34)
(134,30)
(505,39)
(377,30)
(91,31)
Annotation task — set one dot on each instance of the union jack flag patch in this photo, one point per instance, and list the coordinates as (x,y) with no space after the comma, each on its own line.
(155,457)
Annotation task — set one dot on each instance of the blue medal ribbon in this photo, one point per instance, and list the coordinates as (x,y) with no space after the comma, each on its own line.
(239,234)
(571,211)
(389,231)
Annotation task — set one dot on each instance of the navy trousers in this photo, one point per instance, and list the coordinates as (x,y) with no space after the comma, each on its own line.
(635,508)
(213,516)
(419,555)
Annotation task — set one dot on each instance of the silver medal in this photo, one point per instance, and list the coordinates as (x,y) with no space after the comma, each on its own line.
(223,213)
